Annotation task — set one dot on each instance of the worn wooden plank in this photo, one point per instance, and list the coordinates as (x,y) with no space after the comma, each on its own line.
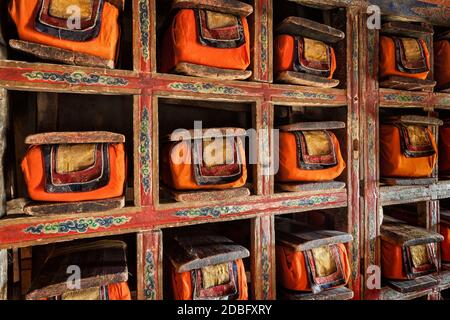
(300,237)
(75,137)
(4,119)
(418,284)
(322,125)
(206,133)
(193,251)
(101,263)
(304,79)
(316,186)
(3,274)
(404,29)
(324,4)
(196,70)
(412,119)
(406,235)
(342,293)
(226,6)
(310,29)
(409,182)
(403,83)
(59,55)
(209,195)
(49,208)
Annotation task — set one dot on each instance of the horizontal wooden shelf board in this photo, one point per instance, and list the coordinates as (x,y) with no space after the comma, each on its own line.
(404,194)
(441,100)
(401,98)
(45,77)
(388,293)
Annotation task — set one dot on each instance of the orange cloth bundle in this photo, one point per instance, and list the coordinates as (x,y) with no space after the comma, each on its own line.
(407,252)
(206,38)
(444,149)
(102,39)
(292,269)
(206,267)
(209,163)
(182,283)
(407,151)
(445,245)
(304,55)
(309,156)
(70,171)
(442,63)
(310,259)
(404,57)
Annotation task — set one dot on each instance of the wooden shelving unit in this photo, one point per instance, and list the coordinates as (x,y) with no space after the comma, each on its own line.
(144,94)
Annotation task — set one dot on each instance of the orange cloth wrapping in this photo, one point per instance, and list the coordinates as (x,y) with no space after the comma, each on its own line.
(394,163)
(119,291)
(442,63)
(104,45)
(392,261)
(34,173)
(388,61)
(445,245)
(285,52)
(292,273)
(182,283)
(444,150)
(181,44)
(180,176)
(289,170)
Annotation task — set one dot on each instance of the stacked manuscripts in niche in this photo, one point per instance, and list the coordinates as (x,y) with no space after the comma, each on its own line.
(411,160)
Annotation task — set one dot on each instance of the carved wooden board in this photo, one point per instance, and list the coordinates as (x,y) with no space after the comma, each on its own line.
(195,70)
(411,119)
(304,79)
(210,195)
(102,265)
(301,238)
(409,182)
(405,235)
(418,284)
(405,29)
(47,208)
(317,186)
(190,251)
(402,83)
(227,6)
(60,55)
(342,293)
(75,137)
(310,29)
(322,125)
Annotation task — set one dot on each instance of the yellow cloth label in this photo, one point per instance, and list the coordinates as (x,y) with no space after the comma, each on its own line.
(216,275)
(315,50)
(62,8)
(216,20)
(75,157)
(324,260)
(317,143)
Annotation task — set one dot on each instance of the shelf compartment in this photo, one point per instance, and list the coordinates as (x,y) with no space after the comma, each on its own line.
(36,112)
(29,51)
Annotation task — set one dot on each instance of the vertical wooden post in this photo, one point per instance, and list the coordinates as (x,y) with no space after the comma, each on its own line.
(3,274)
(149,265)
(262,42)
(3,126)
(263,286)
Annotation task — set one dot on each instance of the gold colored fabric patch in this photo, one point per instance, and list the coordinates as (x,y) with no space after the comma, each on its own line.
(315,50)
(216,275)
(218,151)
(86,294)
(419,255)
(217,20)
(74,157)
(59,8)
(412,49)
(324,261)
(317,143)
(418,136)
